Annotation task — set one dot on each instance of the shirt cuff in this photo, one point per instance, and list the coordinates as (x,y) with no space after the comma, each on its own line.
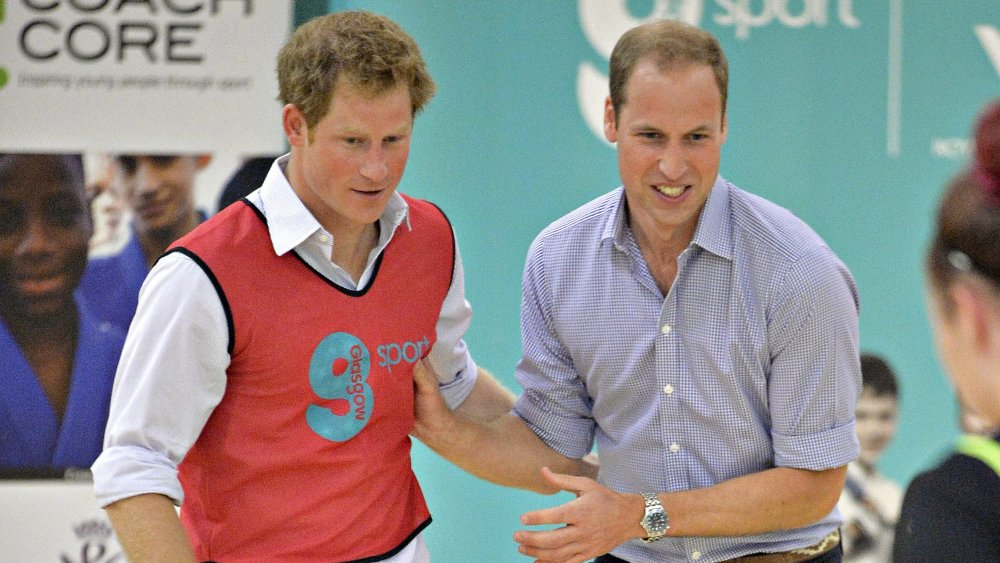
(126,471)
(825,450)
(572,437)
(457,390)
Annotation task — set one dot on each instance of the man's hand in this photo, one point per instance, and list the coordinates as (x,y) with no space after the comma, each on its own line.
(595,523)
(431,415)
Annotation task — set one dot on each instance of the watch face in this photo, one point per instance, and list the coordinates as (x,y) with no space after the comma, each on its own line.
(656,522)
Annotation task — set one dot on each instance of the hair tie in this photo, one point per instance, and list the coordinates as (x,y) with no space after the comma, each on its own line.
(986,157)
(988,180)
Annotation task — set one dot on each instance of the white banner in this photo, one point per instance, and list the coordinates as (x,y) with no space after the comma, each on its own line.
(152,76)
(55,520)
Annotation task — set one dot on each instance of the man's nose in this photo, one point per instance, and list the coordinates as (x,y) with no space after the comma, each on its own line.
(672,162)
(374,167)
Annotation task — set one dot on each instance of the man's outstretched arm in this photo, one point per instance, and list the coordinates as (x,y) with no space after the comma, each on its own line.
(600,519)
(483,437)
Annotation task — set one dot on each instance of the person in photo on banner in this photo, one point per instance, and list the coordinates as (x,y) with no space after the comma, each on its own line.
(952,512)
(705,338)
(266,386)
(870,501)
(107,206)
(57,361)
(159,193)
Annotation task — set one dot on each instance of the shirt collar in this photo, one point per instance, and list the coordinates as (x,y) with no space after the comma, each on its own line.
(713,233)
(617,223)
(290,222)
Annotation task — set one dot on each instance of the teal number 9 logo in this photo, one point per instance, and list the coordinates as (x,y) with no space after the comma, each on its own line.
(338,373)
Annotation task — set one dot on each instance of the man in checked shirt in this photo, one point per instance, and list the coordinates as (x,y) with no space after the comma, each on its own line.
(705,339)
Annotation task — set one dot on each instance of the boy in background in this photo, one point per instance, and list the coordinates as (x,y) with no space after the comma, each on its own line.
(870,502)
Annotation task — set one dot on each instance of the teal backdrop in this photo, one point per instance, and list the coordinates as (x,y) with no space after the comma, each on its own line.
(850,114)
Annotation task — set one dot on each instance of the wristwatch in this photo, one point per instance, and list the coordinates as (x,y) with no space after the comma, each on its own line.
(655,521)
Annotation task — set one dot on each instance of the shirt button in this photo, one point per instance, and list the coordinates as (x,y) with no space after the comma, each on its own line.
(665,329)
(696,555)
(668,389)
(675,447)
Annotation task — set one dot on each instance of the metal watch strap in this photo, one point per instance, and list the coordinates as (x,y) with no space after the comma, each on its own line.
(656,516)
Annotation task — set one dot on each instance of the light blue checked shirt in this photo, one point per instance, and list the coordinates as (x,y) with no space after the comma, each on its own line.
(749,362)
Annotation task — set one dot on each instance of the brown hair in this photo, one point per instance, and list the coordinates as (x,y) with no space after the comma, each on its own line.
(367,51)
(967,234)
(877,374)
(668,43)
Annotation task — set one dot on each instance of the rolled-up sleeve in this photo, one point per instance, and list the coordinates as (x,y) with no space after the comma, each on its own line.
(450,356)
(170,378)
(815,374)
(554,402)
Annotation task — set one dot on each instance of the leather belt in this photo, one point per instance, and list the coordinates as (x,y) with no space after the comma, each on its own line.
(793,556)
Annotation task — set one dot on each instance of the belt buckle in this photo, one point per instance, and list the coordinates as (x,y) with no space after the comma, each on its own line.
(795,555)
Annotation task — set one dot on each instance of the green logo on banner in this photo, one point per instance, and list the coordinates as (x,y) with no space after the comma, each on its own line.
(3,71)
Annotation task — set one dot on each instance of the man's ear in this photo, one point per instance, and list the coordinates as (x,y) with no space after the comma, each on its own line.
(973,315)
(294,123)
(610,122)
